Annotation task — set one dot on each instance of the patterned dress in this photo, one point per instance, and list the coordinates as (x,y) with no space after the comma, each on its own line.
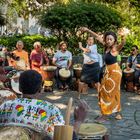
(109,95)
(38,115)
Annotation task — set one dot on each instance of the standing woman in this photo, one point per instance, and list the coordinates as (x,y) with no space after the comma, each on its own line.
(109,94)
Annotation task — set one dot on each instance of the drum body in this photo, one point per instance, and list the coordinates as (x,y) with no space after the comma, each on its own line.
(48,72)
(64,74)
(77,72)
(129,79)
(92,131)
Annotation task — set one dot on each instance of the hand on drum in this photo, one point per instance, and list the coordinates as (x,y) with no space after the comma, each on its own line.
(80,112)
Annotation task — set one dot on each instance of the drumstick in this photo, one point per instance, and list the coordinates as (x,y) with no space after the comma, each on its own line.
(67,116)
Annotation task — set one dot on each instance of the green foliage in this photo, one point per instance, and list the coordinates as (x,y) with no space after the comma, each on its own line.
(65,20)
(68,18)
(130,41)
(10,42)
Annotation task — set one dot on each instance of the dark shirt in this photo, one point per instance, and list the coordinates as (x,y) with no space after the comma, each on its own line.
(110,59)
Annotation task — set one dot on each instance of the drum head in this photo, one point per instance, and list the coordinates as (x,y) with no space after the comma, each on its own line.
(49,68)
(7,94)
(77,66)
(128,71)
(92,129)
(13,132)
(21,64)
(64,73)
(15,83)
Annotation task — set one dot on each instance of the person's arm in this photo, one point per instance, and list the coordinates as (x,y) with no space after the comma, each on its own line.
(27,61)
(85,50)
(54,60)
(69,61)
(46,58)
(128,63)
(120,46)
(80,114)
(96,36)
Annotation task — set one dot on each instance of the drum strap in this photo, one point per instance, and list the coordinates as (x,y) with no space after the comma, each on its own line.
(135,58)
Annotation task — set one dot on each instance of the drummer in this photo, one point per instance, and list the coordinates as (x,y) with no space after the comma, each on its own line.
(133,62)
(39,115)
(91,68)
(38,58)
(63,59)
(22,54)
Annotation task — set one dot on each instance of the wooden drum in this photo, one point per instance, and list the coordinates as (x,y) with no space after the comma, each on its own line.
(129,79)
(92,131)
(77,70)
(48,72)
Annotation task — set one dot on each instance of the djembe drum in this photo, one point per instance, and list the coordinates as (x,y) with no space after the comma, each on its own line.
(64,74)
(92,131)
(48,73)
(21,133)
(129,79)
(77,70)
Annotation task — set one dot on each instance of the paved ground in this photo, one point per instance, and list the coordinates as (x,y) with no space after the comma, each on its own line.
(126,129)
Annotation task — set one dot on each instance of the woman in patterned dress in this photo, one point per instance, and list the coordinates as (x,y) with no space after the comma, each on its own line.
(109,94)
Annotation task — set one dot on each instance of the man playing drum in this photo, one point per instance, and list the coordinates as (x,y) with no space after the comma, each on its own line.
(62,59)
(133,62)
(23,62)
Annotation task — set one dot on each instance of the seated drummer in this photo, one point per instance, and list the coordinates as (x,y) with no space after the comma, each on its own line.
(133,62)
(37,115)
(22,54)
(38,58)
(62,59)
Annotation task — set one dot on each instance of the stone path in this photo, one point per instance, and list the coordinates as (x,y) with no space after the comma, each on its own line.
(126,129)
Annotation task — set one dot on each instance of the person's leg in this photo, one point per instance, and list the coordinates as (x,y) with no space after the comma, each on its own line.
(97,85)
(136,79)
(58,81)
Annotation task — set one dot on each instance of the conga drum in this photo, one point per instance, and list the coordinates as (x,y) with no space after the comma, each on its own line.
(64,74)
(129,79)
(48,73)
(92,131)
(77,70)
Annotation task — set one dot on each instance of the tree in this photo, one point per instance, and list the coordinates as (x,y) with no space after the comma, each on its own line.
(67,19)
